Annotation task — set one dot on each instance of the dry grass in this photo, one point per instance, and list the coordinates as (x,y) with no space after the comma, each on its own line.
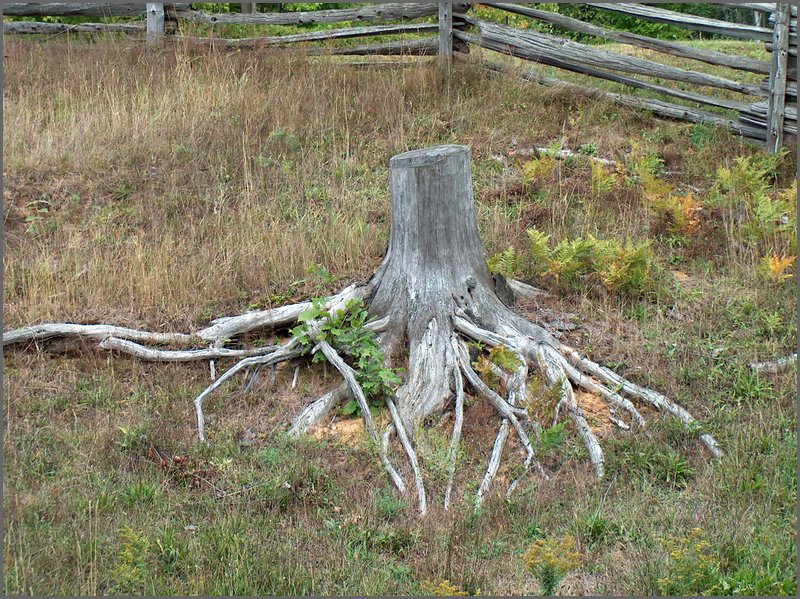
(182,186)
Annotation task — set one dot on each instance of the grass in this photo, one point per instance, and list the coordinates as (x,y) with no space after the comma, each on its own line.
(162,191)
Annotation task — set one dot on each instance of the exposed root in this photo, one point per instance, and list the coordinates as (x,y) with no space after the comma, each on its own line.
(555,373)
(315,412)
(439,363)
(652,397)
(412,456)
(775,365)
(458,423)
(349,376)
(162,355)
(286,352)
(494,462)
(96,332)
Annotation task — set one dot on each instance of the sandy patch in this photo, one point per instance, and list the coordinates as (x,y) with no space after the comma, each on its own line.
(596,411)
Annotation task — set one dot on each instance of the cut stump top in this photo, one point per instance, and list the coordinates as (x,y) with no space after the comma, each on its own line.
(427,156)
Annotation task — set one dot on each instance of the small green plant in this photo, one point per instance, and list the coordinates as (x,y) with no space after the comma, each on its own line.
(694,569)
(588,149)
(344,330)
(700,135)
(133,439)
(499,356)
(170,550)
(537,169)
(602,181)
(597,529)
(140,492)
(550,438)
(652,462)
(549,560)
(507,263)
(387,505)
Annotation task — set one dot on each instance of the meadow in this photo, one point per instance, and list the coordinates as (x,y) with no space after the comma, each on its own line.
(163,190)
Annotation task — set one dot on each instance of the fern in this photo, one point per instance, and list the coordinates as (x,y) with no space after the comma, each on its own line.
(507,263)
(539,248)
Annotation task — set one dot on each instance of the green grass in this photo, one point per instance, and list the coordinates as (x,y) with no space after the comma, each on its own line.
(183,187)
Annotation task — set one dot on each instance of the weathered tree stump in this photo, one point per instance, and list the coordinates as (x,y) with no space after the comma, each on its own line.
(431,294)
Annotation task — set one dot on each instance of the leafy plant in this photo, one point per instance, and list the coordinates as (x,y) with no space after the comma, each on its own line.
(536,169)
(549,560)
(680,215)
(540,251)
(602,181)
(550,438)
(344,330)
(775,268)
(507,263)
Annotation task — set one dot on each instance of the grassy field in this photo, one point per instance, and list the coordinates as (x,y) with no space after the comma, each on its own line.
(163,191)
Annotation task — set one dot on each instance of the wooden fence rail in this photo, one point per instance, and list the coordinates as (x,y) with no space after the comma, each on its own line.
(765,117)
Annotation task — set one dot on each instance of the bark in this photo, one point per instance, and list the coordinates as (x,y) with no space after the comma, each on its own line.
(434,266)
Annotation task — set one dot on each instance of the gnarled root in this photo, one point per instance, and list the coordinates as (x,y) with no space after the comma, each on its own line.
(439,367)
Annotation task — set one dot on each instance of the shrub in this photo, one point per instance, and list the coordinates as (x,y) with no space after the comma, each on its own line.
(344,330)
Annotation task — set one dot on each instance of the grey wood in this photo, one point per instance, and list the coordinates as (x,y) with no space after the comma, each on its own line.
(657,107)
(84,9)
(743,63)
(314,36)
(548,49)
(363,13)
(777,79)
(426,46)
(445,32)
(35,27)
(671,17)
(155,23)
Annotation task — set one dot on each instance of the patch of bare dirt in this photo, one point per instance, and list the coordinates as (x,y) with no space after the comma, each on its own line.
(349,431)
(596,411)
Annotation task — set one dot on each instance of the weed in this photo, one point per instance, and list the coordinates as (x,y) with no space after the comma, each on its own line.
(345,331)
(550,438)
(534,171)
(679,215)
(137,493)
(774,268)
(550,559)
(443,588)
(602,181)
(131,572)
(387,505)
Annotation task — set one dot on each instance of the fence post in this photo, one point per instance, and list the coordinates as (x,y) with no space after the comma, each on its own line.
(445,33)
(248,7)
(777,78)
(155,23)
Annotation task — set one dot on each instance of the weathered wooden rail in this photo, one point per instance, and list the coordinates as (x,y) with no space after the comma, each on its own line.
(762,111)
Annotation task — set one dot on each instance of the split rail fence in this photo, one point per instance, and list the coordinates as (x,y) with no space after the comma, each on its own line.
(764,111)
